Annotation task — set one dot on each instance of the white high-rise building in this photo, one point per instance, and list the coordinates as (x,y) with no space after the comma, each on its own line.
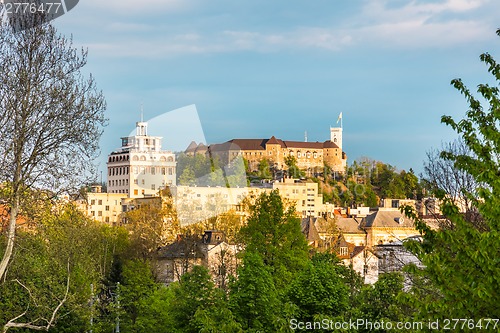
(140,167)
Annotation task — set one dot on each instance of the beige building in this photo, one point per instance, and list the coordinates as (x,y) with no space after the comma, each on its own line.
(197,203)
(103,207)
(304,195)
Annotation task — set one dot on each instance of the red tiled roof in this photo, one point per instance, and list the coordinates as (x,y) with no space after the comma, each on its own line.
(260,144)
(273,141)
(304,145)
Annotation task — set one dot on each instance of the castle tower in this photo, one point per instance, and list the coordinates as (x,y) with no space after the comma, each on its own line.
(336,136)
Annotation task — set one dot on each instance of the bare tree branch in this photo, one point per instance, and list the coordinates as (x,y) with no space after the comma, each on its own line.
(51,115)
(30,325)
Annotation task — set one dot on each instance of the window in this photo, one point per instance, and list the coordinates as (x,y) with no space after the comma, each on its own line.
(170,171)
(99,213)
(106,208)
(92,213)
(136,192)
(92,202)
(153,170)
(136,181)
(107,219)
(142,181)
(153,187)
(163,171)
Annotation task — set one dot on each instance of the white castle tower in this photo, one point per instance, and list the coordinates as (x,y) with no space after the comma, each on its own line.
(140,167)
(336,133)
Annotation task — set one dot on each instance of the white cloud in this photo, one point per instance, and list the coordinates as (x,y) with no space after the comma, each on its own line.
(421,25)
(416,24)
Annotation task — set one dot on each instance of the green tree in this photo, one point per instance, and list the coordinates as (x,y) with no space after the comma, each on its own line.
(319,290)
(293,169)
(274,232)
(265,169)
(187,177)
(463,262)
(194,298)
(150,226)
(137,285)
(380,302)
(253,297)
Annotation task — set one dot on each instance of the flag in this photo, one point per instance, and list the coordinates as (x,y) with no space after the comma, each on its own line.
(339,118)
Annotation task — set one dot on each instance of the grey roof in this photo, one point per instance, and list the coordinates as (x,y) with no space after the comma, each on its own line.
(387,219)
(349,225)
(185,247)
(309,229)
(321,224)
(192,146)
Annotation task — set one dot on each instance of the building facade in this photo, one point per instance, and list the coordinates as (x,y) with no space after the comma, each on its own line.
(310,156)
(198,203)
(140,167)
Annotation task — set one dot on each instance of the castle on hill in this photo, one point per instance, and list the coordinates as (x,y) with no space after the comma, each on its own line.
(309,155)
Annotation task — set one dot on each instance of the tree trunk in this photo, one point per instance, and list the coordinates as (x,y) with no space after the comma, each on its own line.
(11,235)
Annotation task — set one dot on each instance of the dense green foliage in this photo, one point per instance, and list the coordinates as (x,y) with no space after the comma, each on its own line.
(65,250)
(273,231)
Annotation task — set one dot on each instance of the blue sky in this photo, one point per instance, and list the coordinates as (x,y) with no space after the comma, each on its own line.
(260,68)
